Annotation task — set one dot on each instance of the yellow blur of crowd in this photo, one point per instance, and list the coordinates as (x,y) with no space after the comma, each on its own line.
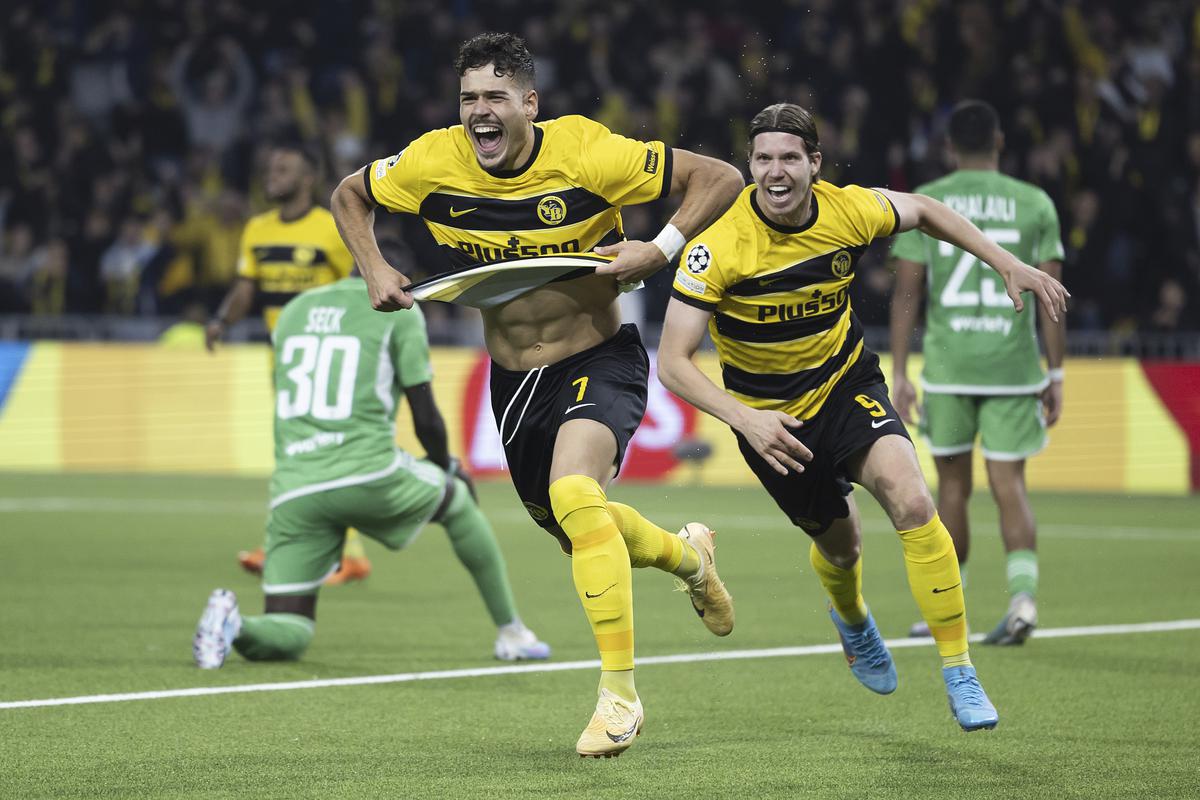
(154,408)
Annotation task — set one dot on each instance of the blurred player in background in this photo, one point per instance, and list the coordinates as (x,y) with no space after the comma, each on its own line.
(769,280)
(285,251)
(982,375)
(568,381)
(340,368)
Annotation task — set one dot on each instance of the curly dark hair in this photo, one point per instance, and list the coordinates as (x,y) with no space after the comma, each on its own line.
(506,52)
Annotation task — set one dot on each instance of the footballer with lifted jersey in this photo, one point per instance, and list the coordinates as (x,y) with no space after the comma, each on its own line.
(983,375)
(803,394)
(568,380)
(340,371)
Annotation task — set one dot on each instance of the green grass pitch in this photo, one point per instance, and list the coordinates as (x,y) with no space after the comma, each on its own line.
(102,579)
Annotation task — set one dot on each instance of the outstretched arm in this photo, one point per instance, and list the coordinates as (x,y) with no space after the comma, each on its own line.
(906,304)
(354,212)
(1054,334)
(941,222)
(767,431)
(709,187)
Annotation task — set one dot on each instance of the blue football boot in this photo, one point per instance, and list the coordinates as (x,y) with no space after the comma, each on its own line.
(968,702)
(866,654)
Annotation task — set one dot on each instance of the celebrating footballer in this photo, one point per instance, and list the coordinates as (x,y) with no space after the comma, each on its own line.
(568,380)
(804,396)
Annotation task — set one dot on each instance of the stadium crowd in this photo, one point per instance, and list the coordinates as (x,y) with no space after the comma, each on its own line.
(132,134)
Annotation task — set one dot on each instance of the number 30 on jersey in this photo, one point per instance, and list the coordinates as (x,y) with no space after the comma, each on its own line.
(313,359)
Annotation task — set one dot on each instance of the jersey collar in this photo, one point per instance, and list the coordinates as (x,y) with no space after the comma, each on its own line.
(290,220)
(538,133)
(775,226)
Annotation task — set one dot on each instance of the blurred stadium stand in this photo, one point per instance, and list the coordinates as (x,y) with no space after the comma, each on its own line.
(132,133)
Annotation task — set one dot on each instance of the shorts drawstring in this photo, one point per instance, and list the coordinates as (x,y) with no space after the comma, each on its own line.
(516,394)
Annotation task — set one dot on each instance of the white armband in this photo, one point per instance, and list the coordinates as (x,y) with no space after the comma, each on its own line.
(671,242)
(1055,374)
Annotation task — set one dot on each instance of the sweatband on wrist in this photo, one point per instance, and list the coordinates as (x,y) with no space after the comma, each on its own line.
(670,241)
(1055,374)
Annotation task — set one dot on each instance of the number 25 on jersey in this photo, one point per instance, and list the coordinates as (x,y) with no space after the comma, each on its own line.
(954,295)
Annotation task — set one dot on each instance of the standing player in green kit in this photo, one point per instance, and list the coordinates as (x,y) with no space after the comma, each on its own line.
(983,376)
(340,368)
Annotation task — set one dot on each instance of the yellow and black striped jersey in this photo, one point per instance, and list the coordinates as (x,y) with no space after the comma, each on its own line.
(782,322)
(566,199)
(286,257)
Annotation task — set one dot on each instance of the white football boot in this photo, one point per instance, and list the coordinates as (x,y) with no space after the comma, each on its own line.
(515,642)
(219,625)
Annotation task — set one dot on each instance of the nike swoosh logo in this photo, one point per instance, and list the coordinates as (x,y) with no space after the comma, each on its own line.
(594,596)
(617,738)
(879,423)
(769,282)
(454,213)
(948,588)
(579,405)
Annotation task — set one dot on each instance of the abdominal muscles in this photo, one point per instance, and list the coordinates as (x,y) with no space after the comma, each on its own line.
(552,322)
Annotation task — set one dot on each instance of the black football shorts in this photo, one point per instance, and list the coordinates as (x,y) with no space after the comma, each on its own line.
(855,415)
(605,383)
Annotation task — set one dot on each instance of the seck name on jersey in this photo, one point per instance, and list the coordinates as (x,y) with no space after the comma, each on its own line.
(325,319)
(979,208)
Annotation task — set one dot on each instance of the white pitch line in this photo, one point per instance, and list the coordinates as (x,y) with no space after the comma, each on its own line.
(146,505)
(132,505)
(567,666)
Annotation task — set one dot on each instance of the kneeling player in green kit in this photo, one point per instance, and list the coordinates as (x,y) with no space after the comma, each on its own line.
(340,367)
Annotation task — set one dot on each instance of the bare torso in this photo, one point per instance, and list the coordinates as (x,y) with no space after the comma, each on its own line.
(552,322)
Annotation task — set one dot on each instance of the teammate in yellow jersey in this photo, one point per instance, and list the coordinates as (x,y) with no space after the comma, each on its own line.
(284,252)
(804,396)
(568,381)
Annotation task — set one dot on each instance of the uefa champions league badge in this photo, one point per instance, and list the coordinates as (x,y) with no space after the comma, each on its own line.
(698,259)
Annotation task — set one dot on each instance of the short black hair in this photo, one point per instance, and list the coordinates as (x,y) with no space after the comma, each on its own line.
(973,127)
(310,153)
(787,118)
(506,52)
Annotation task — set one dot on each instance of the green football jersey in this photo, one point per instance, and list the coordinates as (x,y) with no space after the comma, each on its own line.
(340,367)
(975,341)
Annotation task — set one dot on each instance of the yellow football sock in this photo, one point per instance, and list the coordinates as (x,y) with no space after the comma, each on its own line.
(936,585)
(353,546)
(600,566)
(650,545)
(844,586)
(620,683)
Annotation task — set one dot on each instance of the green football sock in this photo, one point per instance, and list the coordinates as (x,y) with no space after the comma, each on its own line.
(274,637)
(475,545)
(1022,572)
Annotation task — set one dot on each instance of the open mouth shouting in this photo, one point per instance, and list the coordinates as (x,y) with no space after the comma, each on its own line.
(489,140)
(780,194)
